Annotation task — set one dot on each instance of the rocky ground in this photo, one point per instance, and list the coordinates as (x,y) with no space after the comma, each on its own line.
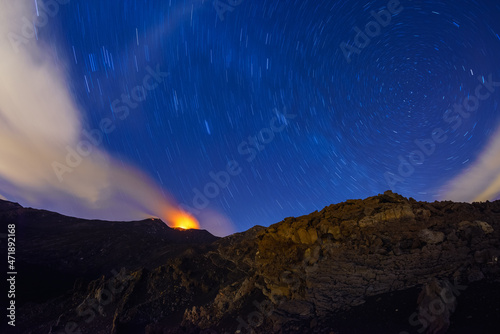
(385,264)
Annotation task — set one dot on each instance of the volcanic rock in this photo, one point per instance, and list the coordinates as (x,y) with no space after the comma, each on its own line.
(386,264)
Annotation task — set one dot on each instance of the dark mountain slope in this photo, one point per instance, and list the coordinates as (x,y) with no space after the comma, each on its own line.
(53,251)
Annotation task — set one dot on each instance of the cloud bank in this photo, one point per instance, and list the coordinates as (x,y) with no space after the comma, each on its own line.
(481,182)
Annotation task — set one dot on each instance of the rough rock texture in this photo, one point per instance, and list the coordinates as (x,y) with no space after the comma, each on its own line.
(315,273)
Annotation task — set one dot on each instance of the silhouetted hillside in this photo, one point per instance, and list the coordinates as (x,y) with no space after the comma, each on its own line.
(53,250)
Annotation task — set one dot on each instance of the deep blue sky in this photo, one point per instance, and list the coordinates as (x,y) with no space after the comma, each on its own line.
(227,78)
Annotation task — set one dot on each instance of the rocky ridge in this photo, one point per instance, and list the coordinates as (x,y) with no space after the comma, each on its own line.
(308,274)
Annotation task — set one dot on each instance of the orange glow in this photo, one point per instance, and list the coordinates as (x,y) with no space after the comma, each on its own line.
(181,219)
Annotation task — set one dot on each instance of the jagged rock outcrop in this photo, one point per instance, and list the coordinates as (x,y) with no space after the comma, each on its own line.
(329,261)
(307,274)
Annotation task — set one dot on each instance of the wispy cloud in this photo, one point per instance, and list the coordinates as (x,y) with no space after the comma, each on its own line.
(481,181)
(39,120)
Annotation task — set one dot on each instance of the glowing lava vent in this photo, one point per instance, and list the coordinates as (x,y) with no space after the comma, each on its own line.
(183,220)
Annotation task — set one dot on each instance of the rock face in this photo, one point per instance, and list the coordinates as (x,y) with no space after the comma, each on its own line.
(311,274)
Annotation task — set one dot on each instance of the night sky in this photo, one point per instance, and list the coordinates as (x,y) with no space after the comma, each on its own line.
(311,111)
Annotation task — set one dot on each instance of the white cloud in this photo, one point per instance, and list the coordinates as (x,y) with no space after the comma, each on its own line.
(481,181)
(38,120)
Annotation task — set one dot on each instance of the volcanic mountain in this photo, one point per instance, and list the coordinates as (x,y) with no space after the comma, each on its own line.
(386,264)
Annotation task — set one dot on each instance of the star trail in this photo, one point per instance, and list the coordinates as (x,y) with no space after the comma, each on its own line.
(258,110)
